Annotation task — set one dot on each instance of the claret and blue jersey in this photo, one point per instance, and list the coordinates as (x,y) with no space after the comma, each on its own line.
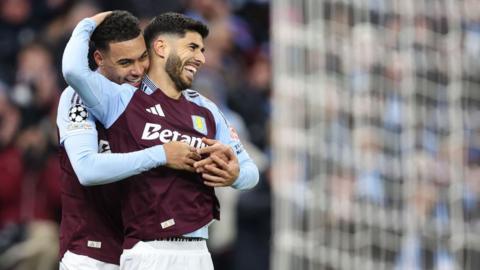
(91,221)
(164,202)
(161,202)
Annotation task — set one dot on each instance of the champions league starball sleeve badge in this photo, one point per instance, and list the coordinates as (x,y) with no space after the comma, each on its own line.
(77,113)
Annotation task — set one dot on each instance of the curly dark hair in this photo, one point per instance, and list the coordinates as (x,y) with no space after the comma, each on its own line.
(119,26)
(173,23)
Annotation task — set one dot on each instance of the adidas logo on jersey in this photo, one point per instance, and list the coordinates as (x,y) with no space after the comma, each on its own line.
(156,110)
(155,132)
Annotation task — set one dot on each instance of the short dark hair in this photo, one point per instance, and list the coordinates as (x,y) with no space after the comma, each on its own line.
(173,23)
(118,26)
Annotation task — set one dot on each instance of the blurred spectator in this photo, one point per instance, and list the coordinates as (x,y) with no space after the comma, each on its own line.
(15,29)
(33,211)
(208,10)
(143,8)
(252,244)
(239,30)
(36,89)
(370,185)
(21,21)
(59,29)
(11,163)
(28,237)
(255,93)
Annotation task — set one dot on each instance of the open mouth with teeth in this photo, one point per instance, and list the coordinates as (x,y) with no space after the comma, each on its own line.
(135,83)
(191,70)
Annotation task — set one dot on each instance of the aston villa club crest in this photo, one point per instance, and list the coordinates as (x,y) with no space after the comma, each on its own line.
(199,124)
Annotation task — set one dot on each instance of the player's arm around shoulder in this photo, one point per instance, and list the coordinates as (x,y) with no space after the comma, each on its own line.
(75,67)
(75,57)
(103,97)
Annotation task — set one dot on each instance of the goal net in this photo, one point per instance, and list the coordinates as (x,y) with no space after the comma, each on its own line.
(375,129)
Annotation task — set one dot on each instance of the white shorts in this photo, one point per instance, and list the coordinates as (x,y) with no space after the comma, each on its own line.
(168,255)
(72,261)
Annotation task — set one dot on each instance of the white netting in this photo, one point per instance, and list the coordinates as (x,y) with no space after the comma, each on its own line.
(376,134)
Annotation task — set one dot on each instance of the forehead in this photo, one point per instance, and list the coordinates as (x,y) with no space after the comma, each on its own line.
(132,48)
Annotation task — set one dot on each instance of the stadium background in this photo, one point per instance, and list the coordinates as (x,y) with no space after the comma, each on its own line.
(33,34)
(376,134)
(361,114)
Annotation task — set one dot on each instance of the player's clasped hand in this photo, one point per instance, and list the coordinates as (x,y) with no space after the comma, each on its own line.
(181,156)
(221,167)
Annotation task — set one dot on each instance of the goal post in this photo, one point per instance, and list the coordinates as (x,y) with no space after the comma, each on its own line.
(375,134)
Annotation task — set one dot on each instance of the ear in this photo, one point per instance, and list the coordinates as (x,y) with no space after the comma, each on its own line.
(98,57)
(160,47)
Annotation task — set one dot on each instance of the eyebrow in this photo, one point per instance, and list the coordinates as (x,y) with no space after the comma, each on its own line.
(128,60)
(197,46)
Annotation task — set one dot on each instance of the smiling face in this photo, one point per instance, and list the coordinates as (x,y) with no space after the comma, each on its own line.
(186,56)
(124,62)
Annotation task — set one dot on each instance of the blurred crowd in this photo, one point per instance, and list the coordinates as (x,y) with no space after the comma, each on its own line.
(401,127)
(236,76)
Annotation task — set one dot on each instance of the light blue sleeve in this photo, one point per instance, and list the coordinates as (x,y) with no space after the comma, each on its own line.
(249,175)
(68,127)
(80,139)
(105,99)
(93,168)
(225,133)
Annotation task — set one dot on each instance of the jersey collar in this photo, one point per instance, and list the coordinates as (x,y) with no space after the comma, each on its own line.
(148,86)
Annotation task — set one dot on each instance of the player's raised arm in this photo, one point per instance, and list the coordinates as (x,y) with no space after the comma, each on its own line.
(100,95)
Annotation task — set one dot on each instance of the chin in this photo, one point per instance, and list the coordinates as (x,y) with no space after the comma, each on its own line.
(187,83)
(137,84)
(184,84)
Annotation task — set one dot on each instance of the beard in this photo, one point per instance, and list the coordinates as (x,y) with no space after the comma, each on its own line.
(174,68)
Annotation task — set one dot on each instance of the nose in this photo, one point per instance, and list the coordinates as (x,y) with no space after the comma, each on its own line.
(138,69)
(200,57)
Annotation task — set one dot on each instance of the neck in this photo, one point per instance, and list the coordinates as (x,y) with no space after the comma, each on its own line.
(161,79)
(101,71)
